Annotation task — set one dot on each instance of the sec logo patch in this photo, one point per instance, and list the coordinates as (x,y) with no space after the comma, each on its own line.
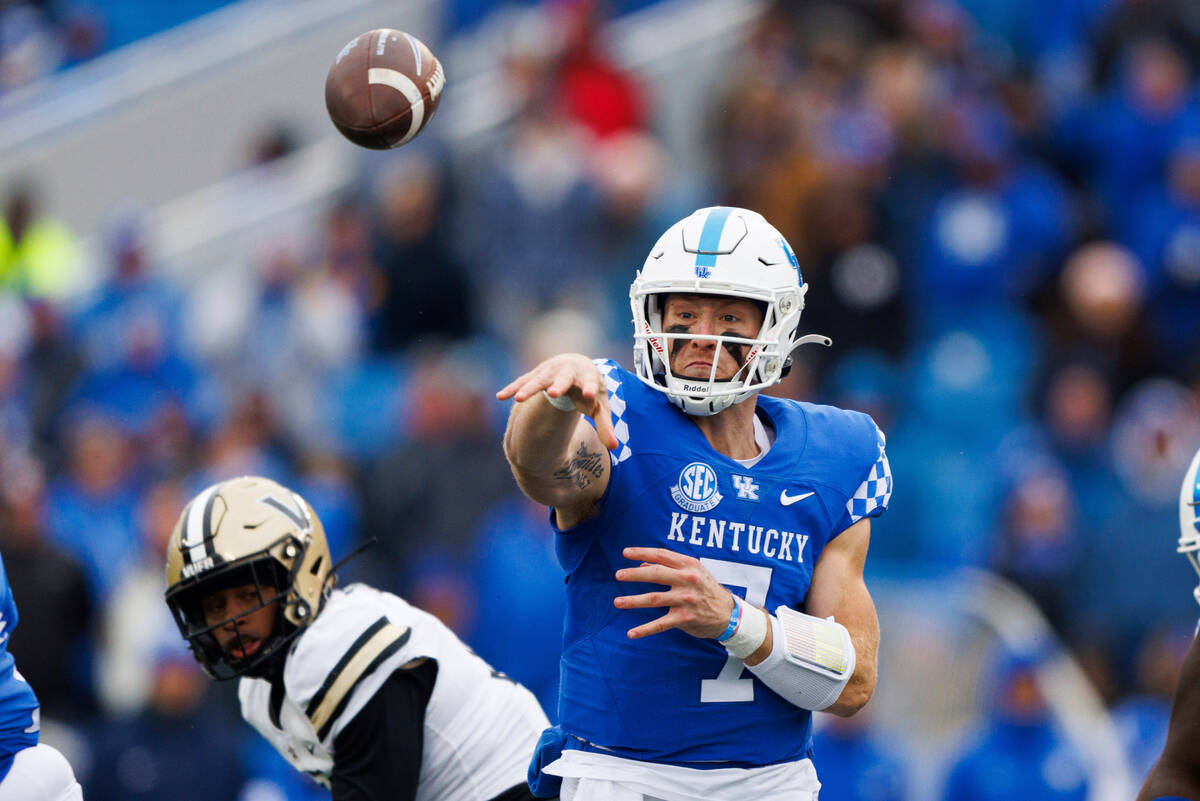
(696,489)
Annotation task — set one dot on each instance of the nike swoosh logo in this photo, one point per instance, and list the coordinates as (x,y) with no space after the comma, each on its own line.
(788,500)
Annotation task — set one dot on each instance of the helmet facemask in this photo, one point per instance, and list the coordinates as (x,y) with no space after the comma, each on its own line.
(762,358)
(1189,550)
(260,571)
(1189,518)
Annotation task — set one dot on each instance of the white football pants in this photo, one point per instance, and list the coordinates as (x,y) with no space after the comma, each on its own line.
(40,774)
(596,790)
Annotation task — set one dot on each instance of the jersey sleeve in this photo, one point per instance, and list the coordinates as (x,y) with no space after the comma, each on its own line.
(614,375)
(377,756)
(340,663)
(873,494)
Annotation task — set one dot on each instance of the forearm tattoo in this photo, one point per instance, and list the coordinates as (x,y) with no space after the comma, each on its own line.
(582,469)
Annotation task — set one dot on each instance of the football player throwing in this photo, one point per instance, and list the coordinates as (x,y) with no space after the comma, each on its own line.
(714,539)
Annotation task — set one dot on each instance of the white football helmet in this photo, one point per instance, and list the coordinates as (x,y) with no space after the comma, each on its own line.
(1189,517)
(719,251)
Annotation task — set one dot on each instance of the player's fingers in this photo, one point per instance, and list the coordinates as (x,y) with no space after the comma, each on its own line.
(527,391)
(645,600)
(559,385)
(537,380)
(649,574)
(589,383)
(668,621)
(511,388)
(659,556)
(522,388)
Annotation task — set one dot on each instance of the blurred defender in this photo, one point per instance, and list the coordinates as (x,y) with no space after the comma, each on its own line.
(713,486)
(29,770)
(1176,775)
(372,697)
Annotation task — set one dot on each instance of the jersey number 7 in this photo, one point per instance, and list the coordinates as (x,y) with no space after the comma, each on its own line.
(728,685)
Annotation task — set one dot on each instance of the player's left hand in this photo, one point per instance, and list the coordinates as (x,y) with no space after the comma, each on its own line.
(698,603)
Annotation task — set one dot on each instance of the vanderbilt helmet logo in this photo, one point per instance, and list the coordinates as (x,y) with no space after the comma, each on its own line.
(300,517)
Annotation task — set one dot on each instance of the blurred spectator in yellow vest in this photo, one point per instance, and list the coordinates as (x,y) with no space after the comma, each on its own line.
(39,256)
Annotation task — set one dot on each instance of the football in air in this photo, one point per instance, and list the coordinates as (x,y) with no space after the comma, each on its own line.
(383,88)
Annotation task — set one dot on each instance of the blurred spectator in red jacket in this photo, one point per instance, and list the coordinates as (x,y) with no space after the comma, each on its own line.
(594,91)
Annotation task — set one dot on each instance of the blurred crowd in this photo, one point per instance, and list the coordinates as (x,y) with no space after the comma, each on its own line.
(40,37)
(996,205)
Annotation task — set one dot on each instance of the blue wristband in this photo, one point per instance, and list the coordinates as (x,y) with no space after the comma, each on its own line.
(735,617)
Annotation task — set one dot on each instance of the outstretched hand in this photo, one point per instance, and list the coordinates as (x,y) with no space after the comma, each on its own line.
(570,375)
(698,603)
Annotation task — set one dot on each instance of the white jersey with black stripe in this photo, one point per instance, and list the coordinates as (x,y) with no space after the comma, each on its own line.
(480,727)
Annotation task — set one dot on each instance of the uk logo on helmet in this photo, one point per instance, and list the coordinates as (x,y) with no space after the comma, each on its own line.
(696,489)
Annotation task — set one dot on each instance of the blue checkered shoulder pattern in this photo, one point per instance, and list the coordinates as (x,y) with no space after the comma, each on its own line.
(616,402)
(872,496)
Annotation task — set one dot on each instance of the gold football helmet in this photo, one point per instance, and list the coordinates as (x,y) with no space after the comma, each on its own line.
(247,531)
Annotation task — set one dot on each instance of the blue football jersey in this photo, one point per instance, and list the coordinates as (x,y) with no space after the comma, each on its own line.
(672,697)
(18,704)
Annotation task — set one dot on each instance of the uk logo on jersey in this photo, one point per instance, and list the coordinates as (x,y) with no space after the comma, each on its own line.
(746,486)
(696,489)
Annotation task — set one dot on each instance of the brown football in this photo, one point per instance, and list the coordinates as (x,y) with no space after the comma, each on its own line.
(383,88)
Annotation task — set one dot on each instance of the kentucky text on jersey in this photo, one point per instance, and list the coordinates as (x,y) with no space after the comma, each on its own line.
(710,533)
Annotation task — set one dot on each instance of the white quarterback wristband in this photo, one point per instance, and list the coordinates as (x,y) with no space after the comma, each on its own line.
(811,659)
(750,632)
(563,403)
